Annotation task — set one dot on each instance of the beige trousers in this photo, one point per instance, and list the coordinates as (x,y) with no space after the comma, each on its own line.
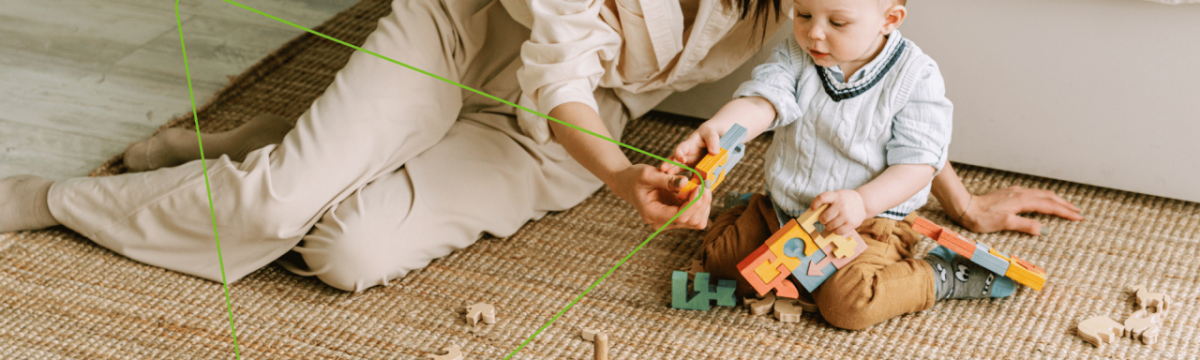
(388,170)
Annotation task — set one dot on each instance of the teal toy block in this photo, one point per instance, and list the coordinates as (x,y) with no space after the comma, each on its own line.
(809,278)
(705,293)
(989,261)
(734,137)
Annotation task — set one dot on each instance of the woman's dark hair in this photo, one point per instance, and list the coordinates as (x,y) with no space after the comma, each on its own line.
(757,9)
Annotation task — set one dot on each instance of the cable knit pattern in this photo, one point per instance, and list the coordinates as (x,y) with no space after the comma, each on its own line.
(822,145)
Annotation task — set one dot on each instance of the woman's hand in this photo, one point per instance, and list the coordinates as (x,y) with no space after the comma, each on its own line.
(845,213)
(998,210)
(653,194)
(705,140)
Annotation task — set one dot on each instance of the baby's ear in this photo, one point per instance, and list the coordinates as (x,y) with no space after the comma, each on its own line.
(892,18)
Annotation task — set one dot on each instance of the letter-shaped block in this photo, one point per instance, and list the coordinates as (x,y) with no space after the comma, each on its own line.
(1100,330)
(722,292)
(815,269)
(760,306)
(486,311)
(808,220)
(787,310)
(713,167)
(1141,326)
(453,352)
(1146,299)
(983,256)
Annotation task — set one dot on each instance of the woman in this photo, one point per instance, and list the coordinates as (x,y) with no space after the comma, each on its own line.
(391,168)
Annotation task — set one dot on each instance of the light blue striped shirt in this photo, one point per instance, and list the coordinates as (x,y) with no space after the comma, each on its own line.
(831,134)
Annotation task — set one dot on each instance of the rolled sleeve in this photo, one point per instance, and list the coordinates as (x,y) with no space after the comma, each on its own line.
(562,59)
(921,129)
(775,80)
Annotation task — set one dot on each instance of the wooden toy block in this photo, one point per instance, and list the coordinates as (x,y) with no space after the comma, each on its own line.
(786,310)
(766,269)
(713,167)
(780,284)
(760,306)
(925,227)
(486,311)
(808,220)
(589,334)
(601,346)
(1018,271)
(1142,326)
(453,352)
(722,293)
(984,257)
(957,243)
(1146,299)
(1100,330)
(995,261)
(806,303)
(775,244)
(818,267)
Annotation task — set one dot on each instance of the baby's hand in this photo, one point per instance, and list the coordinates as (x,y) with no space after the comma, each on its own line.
(845,213)
(705,140)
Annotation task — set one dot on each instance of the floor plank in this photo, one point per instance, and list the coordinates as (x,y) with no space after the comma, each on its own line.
(80,79)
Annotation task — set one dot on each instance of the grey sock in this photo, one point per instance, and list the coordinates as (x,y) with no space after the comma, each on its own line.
(960,278)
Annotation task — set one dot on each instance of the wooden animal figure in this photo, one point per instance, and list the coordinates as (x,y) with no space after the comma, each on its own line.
(1143,326)
(760,306)
(1099,330)
(1159,301)
(786,310)
(453,352)
(601,348)
(486,311)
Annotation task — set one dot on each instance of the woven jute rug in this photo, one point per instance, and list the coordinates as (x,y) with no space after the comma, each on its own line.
(65,297)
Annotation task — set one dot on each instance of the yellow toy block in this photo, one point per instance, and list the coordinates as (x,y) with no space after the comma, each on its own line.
(769,270)
(1032,278)
(808,221)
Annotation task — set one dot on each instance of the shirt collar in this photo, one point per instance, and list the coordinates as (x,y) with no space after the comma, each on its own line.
(872,67)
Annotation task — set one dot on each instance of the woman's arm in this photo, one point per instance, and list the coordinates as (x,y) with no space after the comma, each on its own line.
(998,210)
(649,190)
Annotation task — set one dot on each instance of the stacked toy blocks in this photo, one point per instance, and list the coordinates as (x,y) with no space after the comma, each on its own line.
(713,167)
(680,299)
(997,262)
(799,249)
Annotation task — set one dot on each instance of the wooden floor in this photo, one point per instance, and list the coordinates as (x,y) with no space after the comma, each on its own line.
(82,79)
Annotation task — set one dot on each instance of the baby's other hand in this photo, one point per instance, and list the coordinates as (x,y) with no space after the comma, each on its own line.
(703,141)
(845,213)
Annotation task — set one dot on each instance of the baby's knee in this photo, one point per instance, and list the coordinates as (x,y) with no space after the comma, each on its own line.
(844,302)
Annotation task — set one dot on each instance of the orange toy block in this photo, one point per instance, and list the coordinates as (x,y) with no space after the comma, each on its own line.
(956,242)
(779,283)
(927,228)
(706,168)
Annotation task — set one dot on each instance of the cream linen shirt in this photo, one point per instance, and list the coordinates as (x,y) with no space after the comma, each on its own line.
(642,49)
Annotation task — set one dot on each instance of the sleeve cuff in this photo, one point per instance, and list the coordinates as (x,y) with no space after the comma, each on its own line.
(916,156)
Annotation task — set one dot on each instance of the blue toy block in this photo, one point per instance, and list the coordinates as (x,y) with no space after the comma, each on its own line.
(991,262)
(795,248)
(734,137)
(722,292)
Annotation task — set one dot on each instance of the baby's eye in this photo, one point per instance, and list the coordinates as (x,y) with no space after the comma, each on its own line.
(804,16)
(837,24)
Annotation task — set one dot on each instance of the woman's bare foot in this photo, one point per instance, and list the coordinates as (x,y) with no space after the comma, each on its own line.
(174,147)
(23,204)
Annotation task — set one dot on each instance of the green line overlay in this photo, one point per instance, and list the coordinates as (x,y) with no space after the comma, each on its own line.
(204,164)
(212,213)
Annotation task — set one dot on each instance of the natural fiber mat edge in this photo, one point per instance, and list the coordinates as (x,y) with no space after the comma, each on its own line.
(65,297)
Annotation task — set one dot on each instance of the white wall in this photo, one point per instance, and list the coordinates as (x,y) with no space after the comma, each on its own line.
(1102,92)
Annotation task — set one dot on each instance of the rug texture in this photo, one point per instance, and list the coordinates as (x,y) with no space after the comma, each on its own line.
(64,297)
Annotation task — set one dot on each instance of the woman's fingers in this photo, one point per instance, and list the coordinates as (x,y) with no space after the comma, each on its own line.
(1022,224)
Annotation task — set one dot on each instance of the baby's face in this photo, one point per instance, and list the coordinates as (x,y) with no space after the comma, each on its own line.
(836,32)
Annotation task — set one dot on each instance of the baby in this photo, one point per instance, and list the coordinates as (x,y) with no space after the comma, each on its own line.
(862,124)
